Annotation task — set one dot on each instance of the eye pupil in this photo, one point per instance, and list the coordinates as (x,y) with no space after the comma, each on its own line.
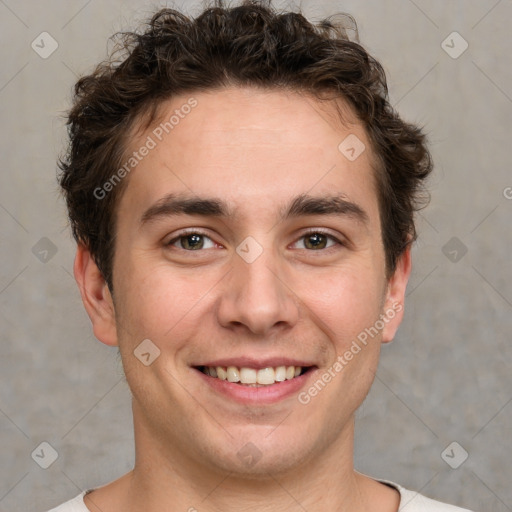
(195,239)
(316,239)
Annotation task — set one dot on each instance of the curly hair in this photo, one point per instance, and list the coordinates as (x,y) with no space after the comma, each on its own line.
(251,44)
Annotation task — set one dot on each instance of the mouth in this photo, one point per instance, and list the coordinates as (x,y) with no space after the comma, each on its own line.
(254,377)
(255,383)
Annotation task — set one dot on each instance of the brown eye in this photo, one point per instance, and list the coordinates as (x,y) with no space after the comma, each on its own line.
(317,240)
(191,241)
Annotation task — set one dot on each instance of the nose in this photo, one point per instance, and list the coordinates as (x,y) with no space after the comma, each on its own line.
(258,297)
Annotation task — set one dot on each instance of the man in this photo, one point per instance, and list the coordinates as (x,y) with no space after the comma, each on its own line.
(242,195)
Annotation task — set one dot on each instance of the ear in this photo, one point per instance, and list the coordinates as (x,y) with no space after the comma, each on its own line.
(395,296)
(95,296)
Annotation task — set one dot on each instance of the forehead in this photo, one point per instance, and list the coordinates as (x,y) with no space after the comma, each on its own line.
(253,147)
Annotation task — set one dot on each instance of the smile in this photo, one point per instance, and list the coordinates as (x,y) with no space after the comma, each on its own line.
(255,383)
(252,376)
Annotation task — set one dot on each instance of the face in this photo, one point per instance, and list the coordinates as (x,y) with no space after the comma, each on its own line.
(248,241)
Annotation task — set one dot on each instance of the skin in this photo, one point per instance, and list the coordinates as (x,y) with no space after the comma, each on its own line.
(254,150)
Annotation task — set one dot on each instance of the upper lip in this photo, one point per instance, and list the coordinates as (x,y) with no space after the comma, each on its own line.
(249,362)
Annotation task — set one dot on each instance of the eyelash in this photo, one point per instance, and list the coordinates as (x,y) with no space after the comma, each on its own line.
(319,231)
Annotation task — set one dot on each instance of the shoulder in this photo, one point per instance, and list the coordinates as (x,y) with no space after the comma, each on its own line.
(75,505)
(411,501)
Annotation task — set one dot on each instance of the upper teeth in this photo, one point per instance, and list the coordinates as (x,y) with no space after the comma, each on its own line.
(251,375)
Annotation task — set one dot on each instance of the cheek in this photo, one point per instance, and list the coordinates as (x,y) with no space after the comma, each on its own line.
(157,303)
(348,302)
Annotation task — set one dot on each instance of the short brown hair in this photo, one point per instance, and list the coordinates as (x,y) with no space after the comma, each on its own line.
(251,44)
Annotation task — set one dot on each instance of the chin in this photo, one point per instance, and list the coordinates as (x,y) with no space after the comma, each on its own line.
(260,465)
(258,453)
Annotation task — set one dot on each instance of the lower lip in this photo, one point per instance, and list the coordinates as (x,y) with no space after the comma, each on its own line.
(257,395)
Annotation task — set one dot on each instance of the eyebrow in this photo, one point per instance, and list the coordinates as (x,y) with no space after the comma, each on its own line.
(301,205)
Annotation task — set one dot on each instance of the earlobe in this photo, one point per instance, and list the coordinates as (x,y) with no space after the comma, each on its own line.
(96,296)
(395,296)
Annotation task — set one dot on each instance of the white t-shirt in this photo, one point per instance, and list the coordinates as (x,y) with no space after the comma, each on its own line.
(410,501)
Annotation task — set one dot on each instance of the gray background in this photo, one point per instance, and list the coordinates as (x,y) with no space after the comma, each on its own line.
(447,375)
